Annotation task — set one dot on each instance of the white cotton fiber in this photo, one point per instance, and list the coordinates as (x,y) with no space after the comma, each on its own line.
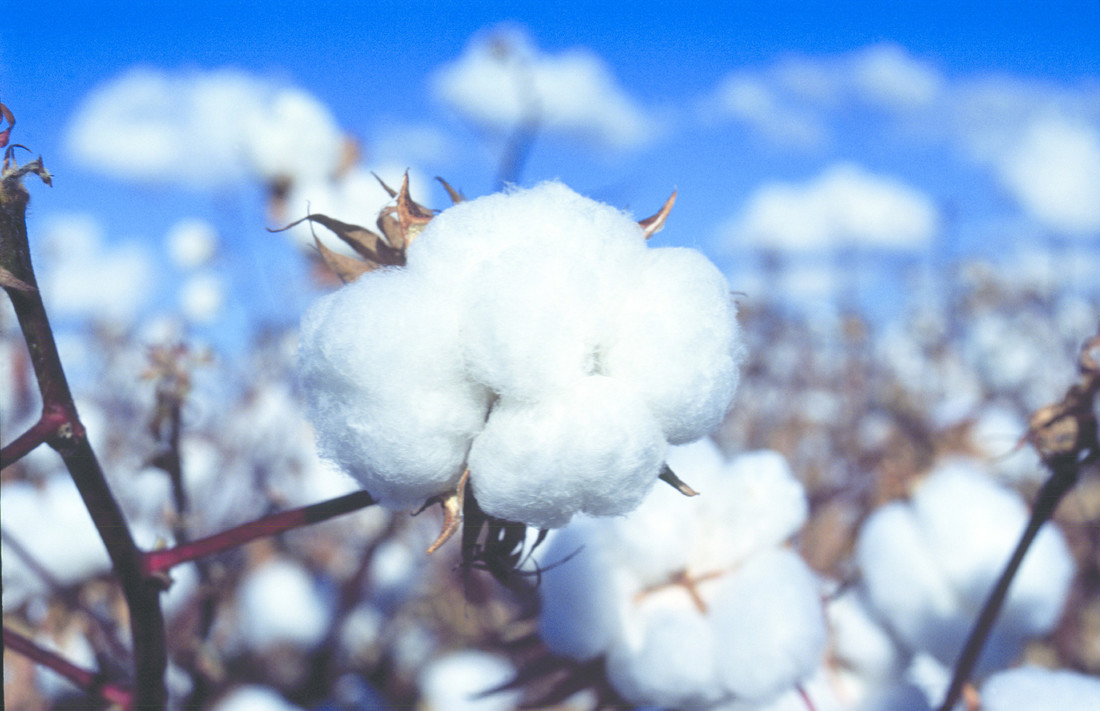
(51,523)
(254,698)
(531,327)
(972,524)
(755,504)
(579,587)
(384,388)
(1036,689)
(456,681)
(532,336)
(770,624)
(280,603)
(666,655)
(592,448)
(929,564)
(674,338)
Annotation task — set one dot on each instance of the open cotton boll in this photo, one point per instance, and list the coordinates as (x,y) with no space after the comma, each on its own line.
(1036,689)
(294,136)
(755,504)
(928,565)
(280,603)
(32,516)
(253,698)
(455,682)
(770,626)
(579,588)
(666,653)
(905,583)
(548,218)
(971,524)
(675,339)
(592,448)
(380,366)
(532,322)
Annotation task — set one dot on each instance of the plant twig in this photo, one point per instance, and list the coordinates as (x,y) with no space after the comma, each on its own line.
(160,561)
(48,426)
(142,593)
(1066,436)
(1052,492)
(89,681)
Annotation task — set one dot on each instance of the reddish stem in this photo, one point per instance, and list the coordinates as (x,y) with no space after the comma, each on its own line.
(89,681)
(163,560)
(142,593)
(48,426)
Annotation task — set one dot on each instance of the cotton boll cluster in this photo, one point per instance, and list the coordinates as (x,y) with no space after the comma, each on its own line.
(695,603)
(533,337)
(928,565)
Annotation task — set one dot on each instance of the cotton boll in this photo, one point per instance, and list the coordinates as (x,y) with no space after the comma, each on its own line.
(769,625)
(280,603)
(192,243)
(253,698)
(1035,689)
(202,297)
(755,504)
(675,339)
(382,375)
(666,653)
(531,326)
(579,589)
(860,642)
(454,682)
(929,565)
(905,583)
(71,552)
(591,448)
(548,218)
(971,524)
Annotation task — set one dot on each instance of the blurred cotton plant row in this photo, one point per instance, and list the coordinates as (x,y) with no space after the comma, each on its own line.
(535,339)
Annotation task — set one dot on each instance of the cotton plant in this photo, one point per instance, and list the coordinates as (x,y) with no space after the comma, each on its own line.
(692,603)
(928,564)
(527,346)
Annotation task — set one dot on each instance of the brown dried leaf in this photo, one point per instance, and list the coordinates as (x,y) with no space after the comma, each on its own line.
(387,188)
(8,116)
(655,223)
(345,267)
(452,512)
(365,243)
(669,477)
(456,196)
(391,228)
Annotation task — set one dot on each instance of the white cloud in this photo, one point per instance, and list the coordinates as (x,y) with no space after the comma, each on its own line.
(203,129)
(1054,172)
(503,80)
(844,205)
(795,100)
(754,101)
(85,279)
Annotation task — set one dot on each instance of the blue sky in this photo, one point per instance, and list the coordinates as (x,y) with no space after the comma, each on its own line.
(1030,71)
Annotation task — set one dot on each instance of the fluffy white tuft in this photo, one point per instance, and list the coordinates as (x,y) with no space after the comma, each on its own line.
(772,626)
(928,565)
(1036,689)
(533,337)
